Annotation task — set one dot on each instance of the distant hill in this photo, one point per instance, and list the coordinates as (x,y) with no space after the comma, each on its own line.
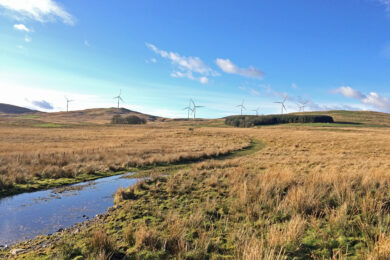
(355,117)
(11,109)
(22,116)
(95,115)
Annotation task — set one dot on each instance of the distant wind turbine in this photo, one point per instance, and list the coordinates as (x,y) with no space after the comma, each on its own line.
(194,108)
(67,103)
(256,110)
(119,97)
(189,108)
(241,106)
(302,105)
(282,104)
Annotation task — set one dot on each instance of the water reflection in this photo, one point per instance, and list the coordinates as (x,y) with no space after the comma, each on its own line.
(27,215)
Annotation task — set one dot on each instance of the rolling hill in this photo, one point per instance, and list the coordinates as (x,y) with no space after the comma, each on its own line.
(355,117)
(13,115)
(11,109)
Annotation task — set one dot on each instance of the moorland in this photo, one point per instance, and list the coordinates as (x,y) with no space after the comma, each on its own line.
(294,191)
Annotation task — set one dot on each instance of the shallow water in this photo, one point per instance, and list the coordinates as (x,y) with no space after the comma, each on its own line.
(27,215)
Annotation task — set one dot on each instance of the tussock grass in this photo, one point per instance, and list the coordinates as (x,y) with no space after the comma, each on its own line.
(306,195)
(29,154)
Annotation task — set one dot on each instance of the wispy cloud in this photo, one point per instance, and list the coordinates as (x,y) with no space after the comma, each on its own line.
(186,66)
(151,60)
(386,3)
(349,92)
(21,27)
(372,99)
(327,107)
(229,67)
(42,104)
(38,10)
(27,39)
(86,43)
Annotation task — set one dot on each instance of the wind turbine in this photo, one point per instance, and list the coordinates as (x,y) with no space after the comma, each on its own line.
(195,107)
(119,97)
(282,104)
(303,104)
(299,107)
(242,106)
(67,103)
(189,109)
(256,110)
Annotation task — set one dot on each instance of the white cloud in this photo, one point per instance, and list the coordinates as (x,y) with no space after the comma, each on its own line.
(189,75)
(349,92)
(229,67)
(187,65)
(38,10)
(203,80)
(373,99)
(21,27)
(27,39)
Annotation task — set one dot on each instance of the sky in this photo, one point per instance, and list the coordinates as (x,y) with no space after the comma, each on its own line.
(327,54)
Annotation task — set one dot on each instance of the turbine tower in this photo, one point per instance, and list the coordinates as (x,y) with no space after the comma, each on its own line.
(67,103)
(303,105)
(241,106)
(195,107)
(282,104)
(119,97)
(189,108)
(256,110)
(300,107)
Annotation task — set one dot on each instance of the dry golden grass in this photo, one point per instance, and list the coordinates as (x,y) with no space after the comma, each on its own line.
(308,194)
(26,153)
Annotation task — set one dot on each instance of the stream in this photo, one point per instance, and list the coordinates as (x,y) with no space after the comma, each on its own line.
(27,215)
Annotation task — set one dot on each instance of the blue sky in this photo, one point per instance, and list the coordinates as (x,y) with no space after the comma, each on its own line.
(329,54)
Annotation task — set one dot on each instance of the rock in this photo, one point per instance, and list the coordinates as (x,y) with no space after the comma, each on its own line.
(2,247)
(77,230)
(16,251)
(60,230)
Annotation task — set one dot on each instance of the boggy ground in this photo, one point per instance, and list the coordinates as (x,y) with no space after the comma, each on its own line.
(306,194)
(38,158)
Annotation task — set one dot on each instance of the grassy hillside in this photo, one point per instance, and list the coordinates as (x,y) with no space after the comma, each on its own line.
(78,117)
(357,117)
(11,109)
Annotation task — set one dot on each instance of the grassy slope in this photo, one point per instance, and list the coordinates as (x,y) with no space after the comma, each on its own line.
(63,119)
(360,117)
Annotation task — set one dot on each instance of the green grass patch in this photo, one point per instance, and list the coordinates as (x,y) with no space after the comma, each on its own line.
(28,117)
(50,125)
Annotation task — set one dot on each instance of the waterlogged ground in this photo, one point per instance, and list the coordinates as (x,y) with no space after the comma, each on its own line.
(27,215)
